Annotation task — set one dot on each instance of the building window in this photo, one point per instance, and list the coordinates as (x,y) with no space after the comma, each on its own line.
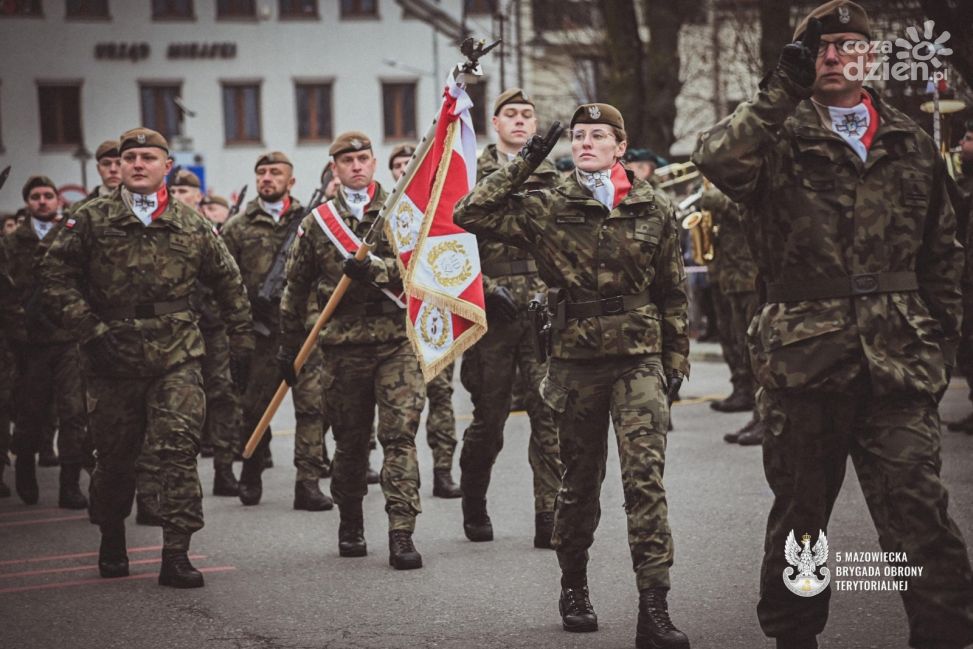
(359,8)
(60,109)
(86,9)
(236,9)
(241,113)
(298,8)
(482,7)
(10,8)
(313,111)
(556,15)
(173,9)
(477,93)
(399,109)
(159,110)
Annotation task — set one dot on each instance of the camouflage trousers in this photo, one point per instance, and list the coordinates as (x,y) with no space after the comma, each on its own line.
(488,371)
(311,415)
(584,394)
(8,375)
(222,409)
(440,421)
(734,311)
(964,354)
(50,383)
(894,443)
(263,382)
(165,415)
(359,378)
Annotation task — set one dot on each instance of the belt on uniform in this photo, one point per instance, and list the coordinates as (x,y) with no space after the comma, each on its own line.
(838,287)
(608,306)
(502,268)
(385,307)
(149,310)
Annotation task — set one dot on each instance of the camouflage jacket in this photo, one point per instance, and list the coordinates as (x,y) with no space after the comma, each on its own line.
(736,270)
(525,286)
(594,253)
(314,270)
(105,258)
(26,321)
(813,211)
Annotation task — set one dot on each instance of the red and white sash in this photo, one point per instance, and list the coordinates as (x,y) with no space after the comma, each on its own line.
(346,241)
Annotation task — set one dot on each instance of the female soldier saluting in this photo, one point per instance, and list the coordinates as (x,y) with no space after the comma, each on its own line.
(607,245)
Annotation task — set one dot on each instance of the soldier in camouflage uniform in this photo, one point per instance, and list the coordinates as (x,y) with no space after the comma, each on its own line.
(48,361)
(255,239)
(7,365)
(510,281)
(440,420)
(846,210)
(120,274)
(607,245)
(368,360)
(108,164)
(963,204)
(311,410)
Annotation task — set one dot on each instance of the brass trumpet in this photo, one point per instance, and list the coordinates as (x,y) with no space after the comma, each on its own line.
(701,231)
(676,173)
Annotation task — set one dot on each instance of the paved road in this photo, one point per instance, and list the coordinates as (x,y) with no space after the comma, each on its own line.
(274,578)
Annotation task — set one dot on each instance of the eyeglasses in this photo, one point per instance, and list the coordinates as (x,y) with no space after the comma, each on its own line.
(596,136)
(846,47)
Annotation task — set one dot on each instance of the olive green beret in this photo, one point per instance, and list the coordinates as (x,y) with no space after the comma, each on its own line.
(837,16)
(108,148)
(598,114)
(349,141)
(401,151)
(186,178)
(511,96)
(37,181)
(214,200)
(273,157)
(141,137)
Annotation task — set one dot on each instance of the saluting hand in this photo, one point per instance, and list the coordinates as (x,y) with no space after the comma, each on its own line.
(798,59)
(538,148)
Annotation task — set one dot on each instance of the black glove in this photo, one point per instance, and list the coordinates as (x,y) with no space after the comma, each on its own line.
(356,270)
(101,351)
(240,370)
(537,147)
(798,59)
(285,364)
(673,383)
(500,304)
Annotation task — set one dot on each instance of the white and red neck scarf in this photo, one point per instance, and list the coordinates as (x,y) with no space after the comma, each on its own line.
(147,207)
(608,186)
(41,228)
(277,209)
(358,200)
(855,125)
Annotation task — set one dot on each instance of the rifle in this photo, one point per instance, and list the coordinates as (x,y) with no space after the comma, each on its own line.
(239,203)
(3,176)
(267,302)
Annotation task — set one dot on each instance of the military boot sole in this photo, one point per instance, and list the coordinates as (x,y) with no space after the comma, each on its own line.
(189,581)
(72,501)
(250,495)
(740,406)
(225,490)
(302,505)
(352,549)
(405,562)
(478,533)
(748,439)
(447,493)
(113,569)
(584,625)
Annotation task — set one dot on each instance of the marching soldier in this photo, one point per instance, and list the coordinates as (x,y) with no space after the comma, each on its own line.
(607,245)
(255,239)
(49,378)
(510,281)
(186,188)
(108,164)
(368,360)
(8,366)
(964,207)
(216,209)
(845,203)
(440,421)
(120,274)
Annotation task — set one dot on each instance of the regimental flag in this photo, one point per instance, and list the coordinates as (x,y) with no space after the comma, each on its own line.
(440,262)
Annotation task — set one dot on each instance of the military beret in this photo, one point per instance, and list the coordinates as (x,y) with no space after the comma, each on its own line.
(37,181)
(837,16)
(273,157)
(214,200)
(968,126)
(511,96)
(349,141)
(401,151)
(598,114)
(186,178)
(564,163)
(141,137)
(108,148)
(641,155)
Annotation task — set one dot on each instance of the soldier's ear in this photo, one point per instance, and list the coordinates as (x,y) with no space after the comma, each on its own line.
(169,163)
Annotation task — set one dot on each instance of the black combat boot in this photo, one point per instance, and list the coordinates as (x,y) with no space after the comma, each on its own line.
(178,572)
(308,496)
(251,484)
(25,478)
(476,521)
(805,643)
(47,456)
(732,438)
(964,425)
(146,511)
(224,482)
(740,400)
(205,450)
(351,531)
(402,552)
(112,554)
(4,489)
(70,496)
(577,613)
(754,436)
(443,485)
(655,629)
(268,459)
(543,529)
